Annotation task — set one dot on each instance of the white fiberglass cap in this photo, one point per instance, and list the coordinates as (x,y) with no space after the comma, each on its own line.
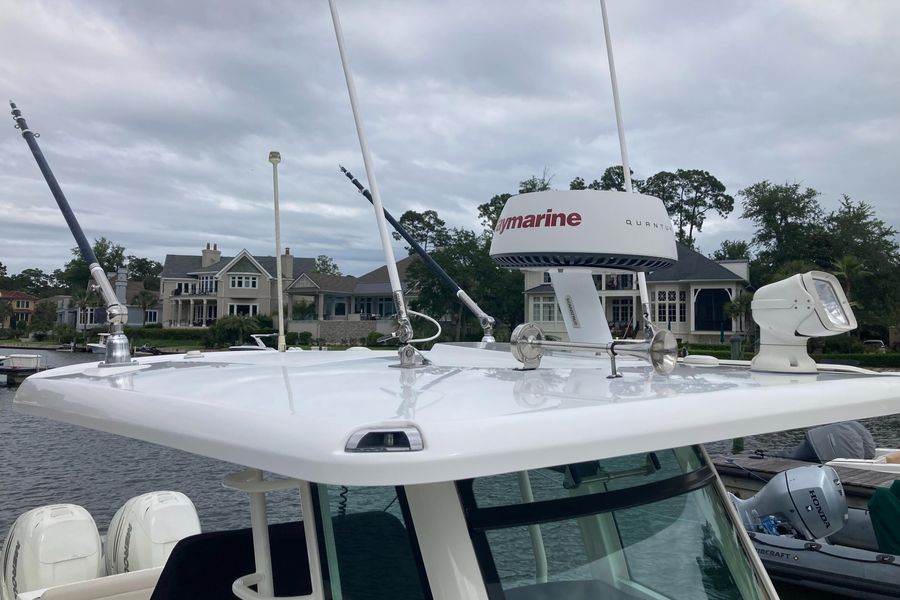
(584,228)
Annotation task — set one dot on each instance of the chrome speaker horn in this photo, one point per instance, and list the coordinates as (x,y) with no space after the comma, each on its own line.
(661,351)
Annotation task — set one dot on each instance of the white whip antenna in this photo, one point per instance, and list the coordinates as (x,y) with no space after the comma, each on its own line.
(626,169)
(404,333)
(275,158)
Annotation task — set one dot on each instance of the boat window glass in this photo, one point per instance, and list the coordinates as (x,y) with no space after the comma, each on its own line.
(640,526)
(367,544)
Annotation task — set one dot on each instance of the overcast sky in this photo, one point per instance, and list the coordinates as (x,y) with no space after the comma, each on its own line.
(157,117)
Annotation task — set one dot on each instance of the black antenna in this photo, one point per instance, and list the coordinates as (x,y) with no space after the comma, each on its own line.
(117,350)
(487,322)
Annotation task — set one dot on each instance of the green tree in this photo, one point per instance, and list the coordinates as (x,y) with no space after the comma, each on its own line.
(688,195)
(34,281)
(110,256)
(465,258)
(6,311)
(145,299)
(83,299)
(44,316)
(489,212)
(326,265)
(536,184)
(849,270)
(785,217)
(613,178)
(230,329)
(426,228)
(732,250)
(577,184)
(144,270)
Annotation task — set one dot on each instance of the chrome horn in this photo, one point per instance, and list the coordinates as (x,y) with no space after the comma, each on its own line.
(527,344)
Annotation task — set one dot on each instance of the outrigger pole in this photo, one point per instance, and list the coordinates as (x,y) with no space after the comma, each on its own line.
(117,349)
(626,169)
(487,322)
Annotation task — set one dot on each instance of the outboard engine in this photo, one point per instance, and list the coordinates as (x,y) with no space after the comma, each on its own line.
(48,546)
(805,502)
(143,532)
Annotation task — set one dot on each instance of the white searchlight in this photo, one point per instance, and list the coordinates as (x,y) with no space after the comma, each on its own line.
(791,311)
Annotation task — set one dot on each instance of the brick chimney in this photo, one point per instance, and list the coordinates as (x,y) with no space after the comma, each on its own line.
(287,266)
(210,255)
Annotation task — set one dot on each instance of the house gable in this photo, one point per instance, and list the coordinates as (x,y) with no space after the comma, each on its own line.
(243,263)
(303,282)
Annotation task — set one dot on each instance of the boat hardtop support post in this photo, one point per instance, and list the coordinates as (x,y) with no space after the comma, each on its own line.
(117,347)
(486,321)
(252,482)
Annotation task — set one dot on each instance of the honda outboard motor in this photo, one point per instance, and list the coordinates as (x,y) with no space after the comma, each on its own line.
(49,546)
(143,532)
(806,502)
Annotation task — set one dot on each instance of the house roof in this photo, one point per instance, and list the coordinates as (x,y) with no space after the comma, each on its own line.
(380,275)
(693,266)
(16,295)
(333,283)
(178,266)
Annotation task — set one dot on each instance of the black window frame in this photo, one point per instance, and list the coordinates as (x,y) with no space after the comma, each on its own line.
(407,523)
(481,520)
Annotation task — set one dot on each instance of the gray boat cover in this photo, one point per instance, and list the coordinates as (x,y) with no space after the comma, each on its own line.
(848,439)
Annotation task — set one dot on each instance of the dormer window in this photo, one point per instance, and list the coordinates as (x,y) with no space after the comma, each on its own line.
(244,281)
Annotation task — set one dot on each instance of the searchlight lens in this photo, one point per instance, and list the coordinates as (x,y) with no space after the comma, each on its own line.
(830,301)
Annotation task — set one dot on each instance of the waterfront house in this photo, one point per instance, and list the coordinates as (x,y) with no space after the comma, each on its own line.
(198,289)
(22,304)
(94,314)
(688,298)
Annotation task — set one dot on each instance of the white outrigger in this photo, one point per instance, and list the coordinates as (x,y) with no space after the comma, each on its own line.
(525,471)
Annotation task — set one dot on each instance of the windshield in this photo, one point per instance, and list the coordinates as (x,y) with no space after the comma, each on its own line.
(648,526)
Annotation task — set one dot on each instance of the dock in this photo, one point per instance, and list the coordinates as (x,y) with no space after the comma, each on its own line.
(859,484)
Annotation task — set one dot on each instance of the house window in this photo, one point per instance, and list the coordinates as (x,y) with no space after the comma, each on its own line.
(22,303)
(547,277)
(385,307)
(671,306)
(363,305)
(243,309)
(544,308)
(86,316)
(622,310)
(151,316)
(208,284)
(619,282)
(244,281)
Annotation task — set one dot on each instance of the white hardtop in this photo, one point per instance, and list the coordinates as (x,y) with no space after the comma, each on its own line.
(293,413)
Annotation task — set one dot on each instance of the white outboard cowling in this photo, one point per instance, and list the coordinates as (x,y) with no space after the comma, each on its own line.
(807,502)
(143,532)
(48,546)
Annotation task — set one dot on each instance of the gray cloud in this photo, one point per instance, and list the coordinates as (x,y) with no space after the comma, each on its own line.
(158,118)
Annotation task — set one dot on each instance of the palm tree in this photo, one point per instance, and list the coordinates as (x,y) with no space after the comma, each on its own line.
(848,269)
(83,299)
(6,311)
(145,299)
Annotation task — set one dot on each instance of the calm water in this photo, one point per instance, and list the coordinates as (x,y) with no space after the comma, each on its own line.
(43,462)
